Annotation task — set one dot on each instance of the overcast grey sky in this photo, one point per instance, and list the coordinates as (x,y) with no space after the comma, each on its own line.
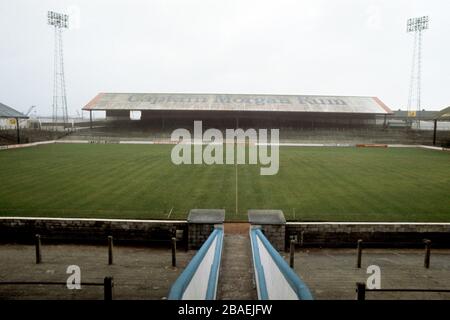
(351,47)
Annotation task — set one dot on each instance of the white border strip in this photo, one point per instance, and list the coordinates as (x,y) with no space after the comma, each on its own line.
(136,142)
(168,142)
(72,141)
(24,145)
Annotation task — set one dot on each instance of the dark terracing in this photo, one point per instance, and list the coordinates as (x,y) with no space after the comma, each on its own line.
(332,273)
(138,272)
(146,273)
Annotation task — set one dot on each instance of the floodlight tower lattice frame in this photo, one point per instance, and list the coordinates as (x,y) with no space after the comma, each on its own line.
(416,26)
(59,21)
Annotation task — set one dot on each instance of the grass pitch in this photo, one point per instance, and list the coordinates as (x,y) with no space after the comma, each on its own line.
(140,182)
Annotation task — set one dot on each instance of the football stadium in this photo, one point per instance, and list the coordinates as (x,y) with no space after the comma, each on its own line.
(345,176)
(335,181)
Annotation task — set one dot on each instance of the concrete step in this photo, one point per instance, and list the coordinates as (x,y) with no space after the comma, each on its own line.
(236,280)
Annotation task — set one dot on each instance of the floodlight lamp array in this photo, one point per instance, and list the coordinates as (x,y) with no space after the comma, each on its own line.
(417,24)
(58,19)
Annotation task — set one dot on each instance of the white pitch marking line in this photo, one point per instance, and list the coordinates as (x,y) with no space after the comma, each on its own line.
(170,212)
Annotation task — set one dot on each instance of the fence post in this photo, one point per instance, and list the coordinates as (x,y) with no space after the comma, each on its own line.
(359,254)
(427,253)
(301,238)
(110,250)
(360,291)
(108,285)
(38,249)
(174,252)
(292,252)
(186,238)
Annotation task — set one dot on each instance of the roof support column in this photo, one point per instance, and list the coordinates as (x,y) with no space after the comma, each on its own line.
(90,119)
(18,130)
(434,132)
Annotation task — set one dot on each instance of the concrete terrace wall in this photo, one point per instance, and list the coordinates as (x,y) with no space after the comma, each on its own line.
(308,234)
(276,234)
(19,229)
(198,233)
(335,234)
(201,223)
